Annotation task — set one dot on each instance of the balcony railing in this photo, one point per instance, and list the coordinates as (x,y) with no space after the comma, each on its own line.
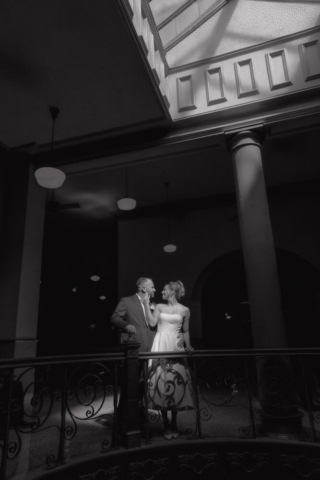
(61,410)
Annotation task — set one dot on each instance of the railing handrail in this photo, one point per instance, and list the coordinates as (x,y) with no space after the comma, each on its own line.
(117,356)
(233,353)
(61,359)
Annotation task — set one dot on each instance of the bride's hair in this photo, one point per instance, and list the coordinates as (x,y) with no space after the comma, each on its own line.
(178,289)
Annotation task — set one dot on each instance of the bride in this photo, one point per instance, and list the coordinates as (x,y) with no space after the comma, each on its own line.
(169,379)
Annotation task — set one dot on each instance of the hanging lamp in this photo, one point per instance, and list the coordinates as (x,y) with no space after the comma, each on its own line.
(126,203)
(49,177)
(169,247)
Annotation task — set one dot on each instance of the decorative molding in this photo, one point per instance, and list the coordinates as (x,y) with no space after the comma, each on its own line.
(154,30)
(135,28)
(248,462)
(244,51)
(214,86)
(155,73)
(129,6)
(277,69)
(245,79)
(248,110)
(149,469)
(137,18)
(200,459)
(300,466)
(310,59)
(151,47)
(202,465)
(144,33)
(110,474)
(185,94)
(143,43)
(166,101)
(76,157)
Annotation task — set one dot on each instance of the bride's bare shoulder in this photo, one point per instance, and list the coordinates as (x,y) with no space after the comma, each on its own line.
(184,310)
(161,306)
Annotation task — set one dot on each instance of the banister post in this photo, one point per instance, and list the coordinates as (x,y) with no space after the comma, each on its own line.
(129,403)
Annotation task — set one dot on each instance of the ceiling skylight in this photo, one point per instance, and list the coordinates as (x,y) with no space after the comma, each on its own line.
(175,19)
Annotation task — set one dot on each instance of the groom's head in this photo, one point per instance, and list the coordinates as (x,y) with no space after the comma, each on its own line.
(144,285)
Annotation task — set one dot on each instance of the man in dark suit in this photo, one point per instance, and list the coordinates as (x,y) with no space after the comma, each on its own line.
(129,316)
(130,320)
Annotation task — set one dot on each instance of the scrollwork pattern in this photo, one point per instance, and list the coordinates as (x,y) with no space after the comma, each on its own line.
(102,474)
(170,386)
(37,395)
(301,465)
(198,465)
(149,469)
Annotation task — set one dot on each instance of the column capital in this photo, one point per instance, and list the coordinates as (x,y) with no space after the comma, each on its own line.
(241,138)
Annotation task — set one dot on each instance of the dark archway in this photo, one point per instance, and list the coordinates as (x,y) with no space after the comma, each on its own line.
(222,290)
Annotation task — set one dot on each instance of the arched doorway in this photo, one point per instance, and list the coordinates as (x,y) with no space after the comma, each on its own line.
(222,290)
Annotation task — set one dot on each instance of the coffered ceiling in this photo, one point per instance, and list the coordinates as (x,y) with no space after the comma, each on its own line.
(85,59)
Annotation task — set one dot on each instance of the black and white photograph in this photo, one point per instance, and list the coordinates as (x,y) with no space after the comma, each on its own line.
(159,239)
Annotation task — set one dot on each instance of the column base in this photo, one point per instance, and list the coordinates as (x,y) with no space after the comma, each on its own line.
(25,348)
(287,427)
(18,348)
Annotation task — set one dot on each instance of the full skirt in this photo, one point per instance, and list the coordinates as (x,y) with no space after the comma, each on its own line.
(170,385)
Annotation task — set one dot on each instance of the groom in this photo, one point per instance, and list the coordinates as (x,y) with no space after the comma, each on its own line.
(129,316)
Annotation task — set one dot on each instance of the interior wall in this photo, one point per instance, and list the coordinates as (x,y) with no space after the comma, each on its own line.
(72,316)
(1,197)
(203,236)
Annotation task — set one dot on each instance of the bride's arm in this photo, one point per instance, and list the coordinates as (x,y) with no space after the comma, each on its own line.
(152,318)
(185,330)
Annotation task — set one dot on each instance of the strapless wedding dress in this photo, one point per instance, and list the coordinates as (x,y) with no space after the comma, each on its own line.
(169,379)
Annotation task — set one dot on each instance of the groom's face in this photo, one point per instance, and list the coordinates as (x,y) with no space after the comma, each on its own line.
(149,288)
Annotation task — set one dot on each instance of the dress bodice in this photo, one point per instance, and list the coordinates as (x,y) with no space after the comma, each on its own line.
(169,322)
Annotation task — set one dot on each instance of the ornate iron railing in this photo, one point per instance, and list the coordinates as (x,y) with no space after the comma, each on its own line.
(46,402)
(55,410)
(239,393)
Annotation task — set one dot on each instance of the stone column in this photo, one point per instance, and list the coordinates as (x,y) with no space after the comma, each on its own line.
(257,242)
(279,415)
(21,236)
(22,208)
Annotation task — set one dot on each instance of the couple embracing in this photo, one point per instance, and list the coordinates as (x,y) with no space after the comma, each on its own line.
(160,328)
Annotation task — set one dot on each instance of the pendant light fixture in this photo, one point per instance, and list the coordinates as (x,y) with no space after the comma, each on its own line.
(49,177)
(126,203)
(170,247)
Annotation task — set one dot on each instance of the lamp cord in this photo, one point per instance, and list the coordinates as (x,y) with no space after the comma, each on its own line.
(168,219)
(52,133)
(126,182)
(54,112)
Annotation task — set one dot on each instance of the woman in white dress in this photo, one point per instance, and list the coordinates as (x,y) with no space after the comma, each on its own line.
(169,380)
